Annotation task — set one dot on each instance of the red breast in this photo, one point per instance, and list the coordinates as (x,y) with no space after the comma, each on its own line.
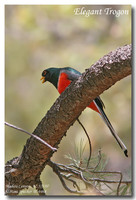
(63,82)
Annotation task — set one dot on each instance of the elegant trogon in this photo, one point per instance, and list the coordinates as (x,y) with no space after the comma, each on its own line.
(62,77)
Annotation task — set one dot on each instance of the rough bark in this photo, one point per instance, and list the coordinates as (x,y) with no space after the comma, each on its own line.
(25,170)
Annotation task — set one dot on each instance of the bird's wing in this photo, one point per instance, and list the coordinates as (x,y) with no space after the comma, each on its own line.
(72,73)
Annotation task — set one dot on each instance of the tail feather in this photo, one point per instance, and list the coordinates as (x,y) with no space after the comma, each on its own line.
(107,122)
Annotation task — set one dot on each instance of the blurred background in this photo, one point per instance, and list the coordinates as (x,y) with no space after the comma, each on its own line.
(38,37)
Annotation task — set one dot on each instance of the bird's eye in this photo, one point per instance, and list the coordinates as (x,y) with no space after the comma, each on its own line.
(44,73)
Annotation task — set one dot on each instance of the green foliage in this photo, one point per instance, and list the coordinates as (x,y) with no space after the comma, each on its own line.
(108,182)
(125,190)
(81,160)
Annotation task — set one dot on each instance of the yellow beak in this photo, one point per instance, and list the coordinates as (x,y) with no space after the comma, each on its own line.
(43,79)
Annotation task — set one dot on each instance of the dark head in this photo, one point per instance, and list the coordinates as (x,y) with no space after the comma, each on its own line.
(51,75)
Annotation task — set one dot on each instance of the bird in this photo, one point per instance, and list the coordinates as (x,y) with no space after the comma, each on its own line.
(61,79)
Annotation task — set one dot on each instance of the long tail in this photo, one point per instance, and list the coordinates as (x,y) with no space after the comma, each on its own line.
(107,122)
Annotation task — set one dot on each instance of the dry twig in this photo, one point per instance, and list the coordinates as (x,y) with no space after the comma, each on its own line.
(72,171)
(32,135)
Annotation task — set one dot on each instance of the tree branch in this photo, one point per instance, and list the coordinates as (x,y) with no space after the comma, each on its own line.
(73,172)
(26,169)
(35,136)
